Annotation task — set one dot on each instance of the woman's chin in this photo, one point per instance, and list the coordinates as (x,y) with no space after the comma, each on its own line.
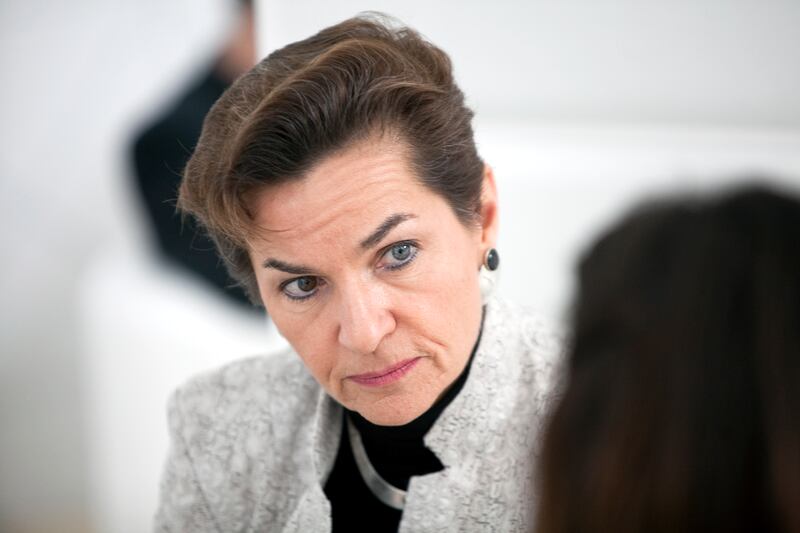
(392,413)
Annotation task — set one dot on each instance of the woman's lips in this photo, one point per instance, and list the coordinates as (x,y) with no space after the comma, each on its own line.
(387,375)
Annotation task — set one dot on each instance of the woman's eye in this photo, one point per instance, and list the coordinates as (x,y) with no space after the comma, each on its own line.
(301,288)
(399,255)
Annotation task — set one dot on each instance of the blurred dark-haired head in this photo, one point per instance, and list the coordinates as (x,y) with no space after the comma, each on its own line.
(682,407)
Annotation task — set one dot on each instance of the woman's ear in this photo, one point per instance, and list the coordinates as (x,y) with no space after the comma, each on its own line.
(489,212)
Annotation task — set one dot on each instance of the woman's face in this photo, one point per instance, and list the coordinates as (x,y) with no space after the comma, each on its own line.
(372,279)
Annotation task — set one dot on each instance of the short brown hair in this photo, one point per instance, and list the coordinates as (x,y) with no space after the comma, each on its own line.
(303,102)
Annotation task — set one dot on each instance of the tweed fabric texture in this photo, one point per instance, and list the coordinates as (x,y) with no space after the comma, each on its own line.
(253,443)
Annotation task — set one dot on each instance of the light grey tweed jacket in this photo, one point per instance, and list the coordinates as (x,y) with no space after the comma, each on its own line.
(254,442)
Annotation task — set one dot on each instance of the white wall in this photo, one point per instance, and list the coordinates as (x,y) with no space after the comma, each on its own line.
(77,76)
(706,62)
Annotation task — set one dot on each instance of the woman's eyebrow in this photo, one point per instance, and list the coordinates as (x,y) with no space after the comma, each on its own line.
(386,226)
(374,238)
(277,264)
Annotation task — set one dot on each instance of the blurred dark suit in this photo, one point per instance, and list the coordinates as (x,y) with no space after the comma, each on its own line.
(160,153)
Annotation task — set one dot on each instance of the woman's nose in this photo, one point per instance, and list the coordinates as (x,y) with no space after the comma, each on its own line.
(365,319)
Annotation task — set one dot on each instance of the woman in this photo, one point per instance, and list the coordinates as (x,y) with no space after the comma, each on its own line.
(682,410)
(340,180)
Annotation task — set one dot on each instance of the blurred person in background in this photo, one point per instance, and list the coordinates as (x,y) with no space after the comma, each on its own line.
(681,411)
(341,182)
(160,152)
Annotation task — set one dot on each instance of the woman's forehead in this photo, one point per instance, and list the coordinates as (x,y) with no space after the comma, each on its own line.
(345,189)
(344,200)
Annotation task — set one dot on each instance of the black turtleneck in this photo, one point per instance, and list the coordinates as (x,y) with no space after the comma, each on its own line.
(396,452)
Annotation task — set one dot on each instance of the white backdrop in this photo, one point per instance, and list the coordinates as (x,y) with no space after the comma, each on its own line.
(684,62)
(77,77)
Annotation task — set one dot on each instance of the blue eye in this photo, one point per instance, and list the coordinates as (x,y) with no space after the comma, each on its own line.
(399,255)
(301,288)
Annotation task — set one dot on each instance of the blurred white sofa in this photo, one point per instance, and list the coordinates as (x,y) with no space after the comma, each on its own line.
(148,328)
(559,185)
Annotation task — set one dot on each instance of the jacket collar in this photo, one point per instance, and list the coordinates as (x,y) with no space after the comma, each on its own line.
(483,407)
